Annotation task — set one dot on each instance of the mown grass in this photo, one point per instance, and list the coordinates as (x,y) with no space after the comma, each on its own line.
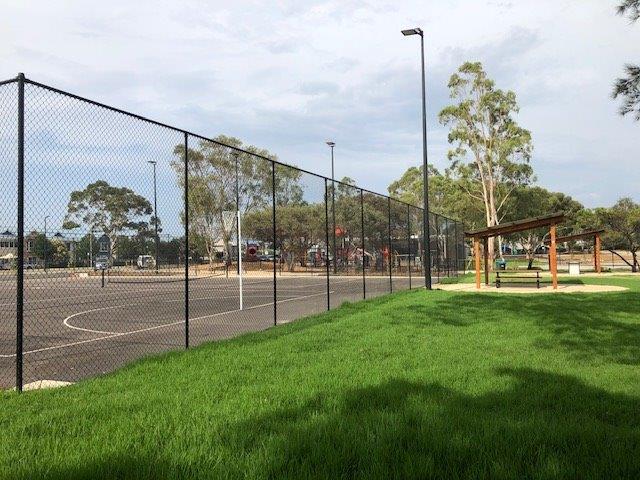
(414,385)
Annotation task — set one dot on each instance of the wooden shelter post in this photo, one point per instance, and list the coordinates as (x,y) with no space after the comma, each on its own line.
(596,253)
(476,254)
(553,257)
(513,227)
(593,234)
(486,261)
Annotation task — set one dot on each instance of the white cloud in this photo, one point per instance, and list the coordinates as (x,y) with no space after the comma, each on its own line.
(288,75)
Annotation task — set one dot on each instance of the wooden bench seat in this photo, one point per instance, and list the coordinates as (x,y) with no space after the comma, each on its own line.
(504,277)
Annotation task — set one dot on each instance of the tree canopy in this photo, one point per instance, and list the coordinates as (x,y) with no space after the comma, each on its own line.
(446,196)
(527,202)
(627,87)
(491,152)
(214,187)
(622,224)
(109,209)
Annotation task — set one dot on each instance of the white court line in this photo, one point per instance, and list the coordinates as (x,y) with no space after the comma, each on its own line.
(56,347)
(113,307)
(251,285)
(66,323)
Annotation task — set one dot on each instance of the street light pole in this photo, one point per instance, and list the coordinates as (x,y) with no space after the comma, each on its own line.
(425,219)
(155,210)
(333,208)
(45,242)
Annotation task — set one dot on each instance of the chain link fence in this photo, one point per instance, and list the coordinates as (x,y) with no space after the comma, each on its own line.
(123,237)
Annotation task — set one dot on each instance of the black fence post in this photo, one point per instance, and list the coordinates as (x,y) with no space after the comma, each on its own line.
(455,243)
(186,240)
(390,249)
(364,256)
(326,231)
(447,246)
(333,216)
(20,273)
(409,243)
(464,252)
(238,249)
(273,221)
(438,262)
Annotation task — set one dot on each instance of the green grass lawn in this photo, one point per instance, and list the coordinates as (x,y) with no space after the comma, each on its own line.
(416,384)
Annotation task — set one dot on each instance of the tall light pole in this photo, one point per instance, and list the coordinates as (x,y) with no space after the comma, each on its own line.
(45,242)
(425,218)
(333,208)
(155,210)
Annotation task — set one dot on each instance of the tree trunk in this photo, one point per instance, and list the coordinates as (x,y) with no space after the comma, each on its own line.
(634,269)
(500,253)
(210,253)
(113,247)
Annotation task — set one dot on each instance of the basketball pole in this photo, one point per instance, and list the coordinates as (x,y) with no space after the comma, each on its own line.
(239,258)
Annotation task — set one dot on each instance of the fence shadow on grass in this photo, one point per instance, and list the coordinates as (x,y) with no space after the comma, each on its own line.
(590,326)
(545,425)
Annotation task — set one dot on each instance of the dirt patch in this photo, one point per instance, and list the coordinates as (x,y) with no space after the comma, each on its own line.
(470,287)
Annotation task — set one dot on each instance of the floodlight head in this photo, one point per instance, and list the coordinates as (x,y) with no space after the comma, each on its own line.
(412,31)
(331,144)
(152,162)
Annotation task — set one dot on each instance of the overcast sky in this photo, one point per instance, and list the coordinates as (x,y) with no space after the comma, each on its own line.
(289,75)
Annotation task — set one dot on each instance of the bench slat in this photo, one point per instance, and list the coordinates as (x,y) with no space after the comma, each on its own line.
(521,279)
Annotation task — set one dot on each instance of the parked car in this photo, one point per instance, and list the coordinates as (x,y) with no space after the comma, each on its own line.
(267,258)
(29,266)
(102,263)
(145,261)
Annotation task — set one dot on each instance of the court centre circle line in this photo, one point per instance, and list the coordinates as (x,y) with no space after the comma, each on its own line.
(107,337)
(66,323)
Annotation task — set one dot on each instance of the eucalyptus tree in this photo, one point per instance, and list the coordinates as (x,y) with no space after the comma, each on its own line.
(527,201)
(622,225)
(111,210)
(446,195)
(491,152)
(224,176)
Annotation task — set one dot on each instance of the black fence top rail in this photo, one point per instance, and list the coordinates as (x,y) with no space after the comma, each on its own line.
(202,137)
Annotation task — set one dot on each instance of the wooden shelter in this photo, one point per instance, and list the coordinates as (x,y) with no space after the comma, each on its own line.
(484,234)
(595,234)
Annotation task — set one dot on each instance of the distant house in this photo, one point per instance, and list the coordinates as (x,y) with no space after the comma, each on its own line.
(8,243)
(69,243)
(30,256)
(9,247)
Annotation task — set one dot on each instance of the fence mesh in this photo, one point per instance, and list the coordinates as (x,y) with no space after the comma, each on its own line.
(377,244)
(141,238)
(416,257)
(93,179)
(400,256)
(346,233)
(8,227)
